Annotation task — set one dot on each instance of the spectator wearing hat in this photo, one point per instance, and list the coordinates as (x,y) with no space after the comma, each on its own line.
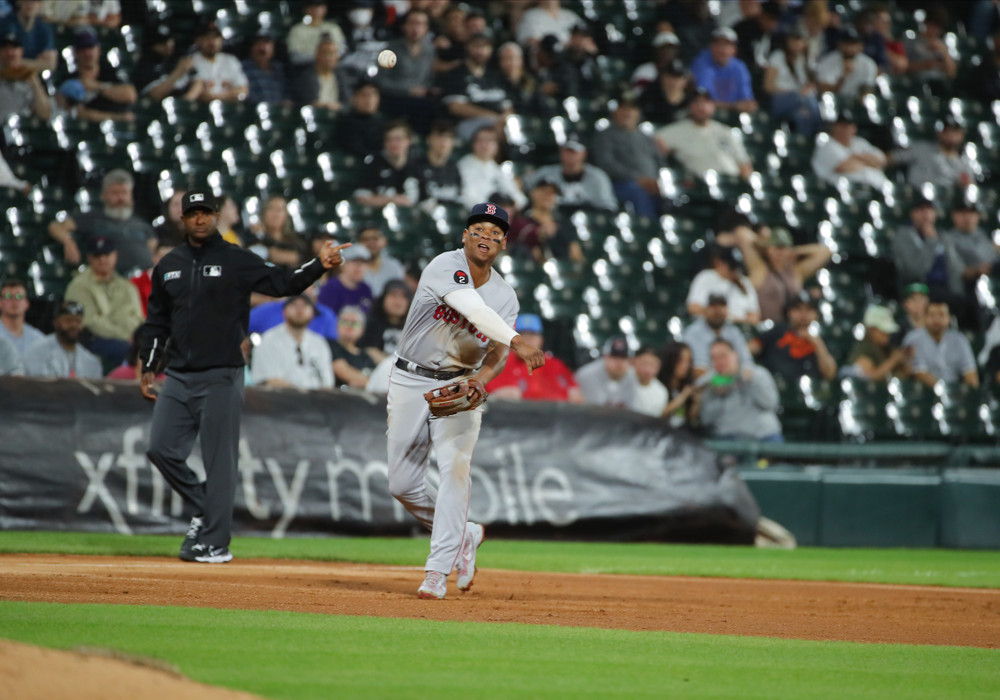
(847,72)
(160,73)
(726,277)
(876,357)
(941,353)
(220,72)
(440,181)
(14,305)
(134,239)
(726,77)
(349,287)
(386,320)
(630,158)
(665,50)
(978,253)
(739,401)
(553,381)
(943,164)
(669,95)
(547,17)
(34,33)
(266,80)
(916,298)
(382,267)
(290,355)
(922,254)
(702,144)
(305,37)
(473,93)
(842,153)
(21,90)
(107,92)
(352,365)
(321,84)
(789,80)
(792,348)
(111,307)
(538,232)
(581,185)
(713,324)
(928,57)
(265,316)
(61,354)
(777,268)
(610,379)
(481,173)
(361,131)
(406,89)
(390,177)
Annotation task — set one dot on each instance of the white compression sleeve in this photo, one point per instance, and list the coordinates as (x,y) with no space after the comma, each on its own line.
(468,303)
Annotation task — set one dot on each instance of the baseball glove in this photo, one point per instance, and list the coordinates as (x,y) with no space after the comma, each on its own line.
(455,398)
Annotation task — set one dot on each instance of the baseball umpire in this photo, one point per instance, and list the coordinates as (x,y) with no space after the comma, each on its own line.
(456,339)
(200,302)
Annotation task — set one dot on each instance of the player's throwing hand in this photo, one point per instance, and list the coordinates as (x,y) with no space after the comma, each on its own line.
(532,356)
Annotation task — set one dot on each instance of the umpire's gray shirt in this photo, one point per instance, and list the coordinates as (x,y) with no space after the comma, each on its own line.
(948,360)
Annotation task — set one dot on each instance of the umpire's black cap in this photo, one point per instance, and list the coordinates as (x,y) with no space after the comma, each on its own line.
(488,211)
(195,200)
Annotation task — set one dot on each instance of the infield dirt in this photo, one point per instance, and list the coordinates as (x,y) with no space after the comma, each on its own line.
(874,613)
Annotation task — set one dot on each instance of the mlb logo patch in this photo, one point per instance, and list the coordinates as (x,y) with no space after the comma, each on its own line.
(211,271)
(175,275)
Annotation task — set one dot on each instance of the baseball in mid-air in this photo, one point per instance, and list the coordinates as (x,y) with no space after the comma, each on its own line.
(387,59)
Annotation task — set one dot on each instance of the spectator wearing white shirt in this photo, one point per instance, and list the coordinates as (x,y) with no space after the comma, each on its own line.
(845,154)
(304,38)
(701,144)
(650,396)
(220,72)
(482,175)
(789,80)
(726,278)
(291,355)
(847,71)
(547,17)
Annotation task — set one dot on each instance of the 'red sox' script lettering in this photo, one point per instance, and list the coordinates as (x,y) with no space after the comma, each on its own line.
(447,314)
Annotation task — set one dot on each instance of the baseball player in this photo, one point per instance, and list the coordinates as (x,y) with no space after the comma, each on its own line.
(200,301)
(460,328)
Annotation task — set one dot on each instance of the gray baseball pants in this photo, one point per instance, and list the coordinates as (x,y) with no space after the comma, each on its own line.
(209,403)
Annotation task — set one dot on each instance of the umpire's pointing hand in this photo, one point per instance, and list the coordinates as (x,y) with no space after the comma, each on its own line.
(532,356)
(330,254)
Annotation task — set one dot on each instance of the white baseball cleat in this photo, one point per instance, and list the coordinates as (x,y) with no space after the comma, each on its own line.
(434,587)
(466,567)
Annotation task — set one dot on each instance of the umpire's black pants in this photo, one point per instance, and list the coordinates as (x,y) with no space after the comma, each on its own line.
(209,402)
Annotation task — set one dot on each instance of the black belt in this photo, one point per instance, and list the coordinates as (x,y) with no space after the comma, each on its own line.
(414,368)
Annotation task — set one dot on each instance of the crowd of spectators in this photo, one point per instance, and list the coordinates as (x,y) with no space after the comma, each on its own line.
(434,131)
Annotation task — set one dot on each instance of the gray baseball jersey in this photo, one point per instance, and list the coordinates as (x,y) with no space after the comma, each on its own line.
(438,337)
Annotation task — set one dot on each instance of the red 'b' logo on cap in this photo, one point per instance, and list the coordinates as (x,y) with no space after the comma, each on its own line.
(491,209)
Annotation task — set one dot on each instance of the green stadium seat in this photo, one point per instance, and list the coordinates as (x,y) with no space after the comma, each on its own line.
(862,411)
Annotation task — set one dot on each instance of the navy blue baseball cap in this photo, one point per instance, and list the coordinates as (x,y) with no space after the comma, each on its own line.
(195,200)
(488,211)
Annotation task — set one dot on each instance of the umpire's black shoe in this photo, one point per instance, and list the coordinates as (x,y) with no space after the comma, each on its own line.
(206,554)
(191,539)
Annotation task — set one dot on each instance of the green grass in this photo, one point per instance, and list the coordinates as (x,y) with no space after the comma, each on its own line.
(295,655)
(928,567)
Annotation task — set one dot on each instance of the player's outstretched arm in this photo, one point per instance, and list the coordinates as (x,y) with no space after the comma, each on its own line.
(468,303)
